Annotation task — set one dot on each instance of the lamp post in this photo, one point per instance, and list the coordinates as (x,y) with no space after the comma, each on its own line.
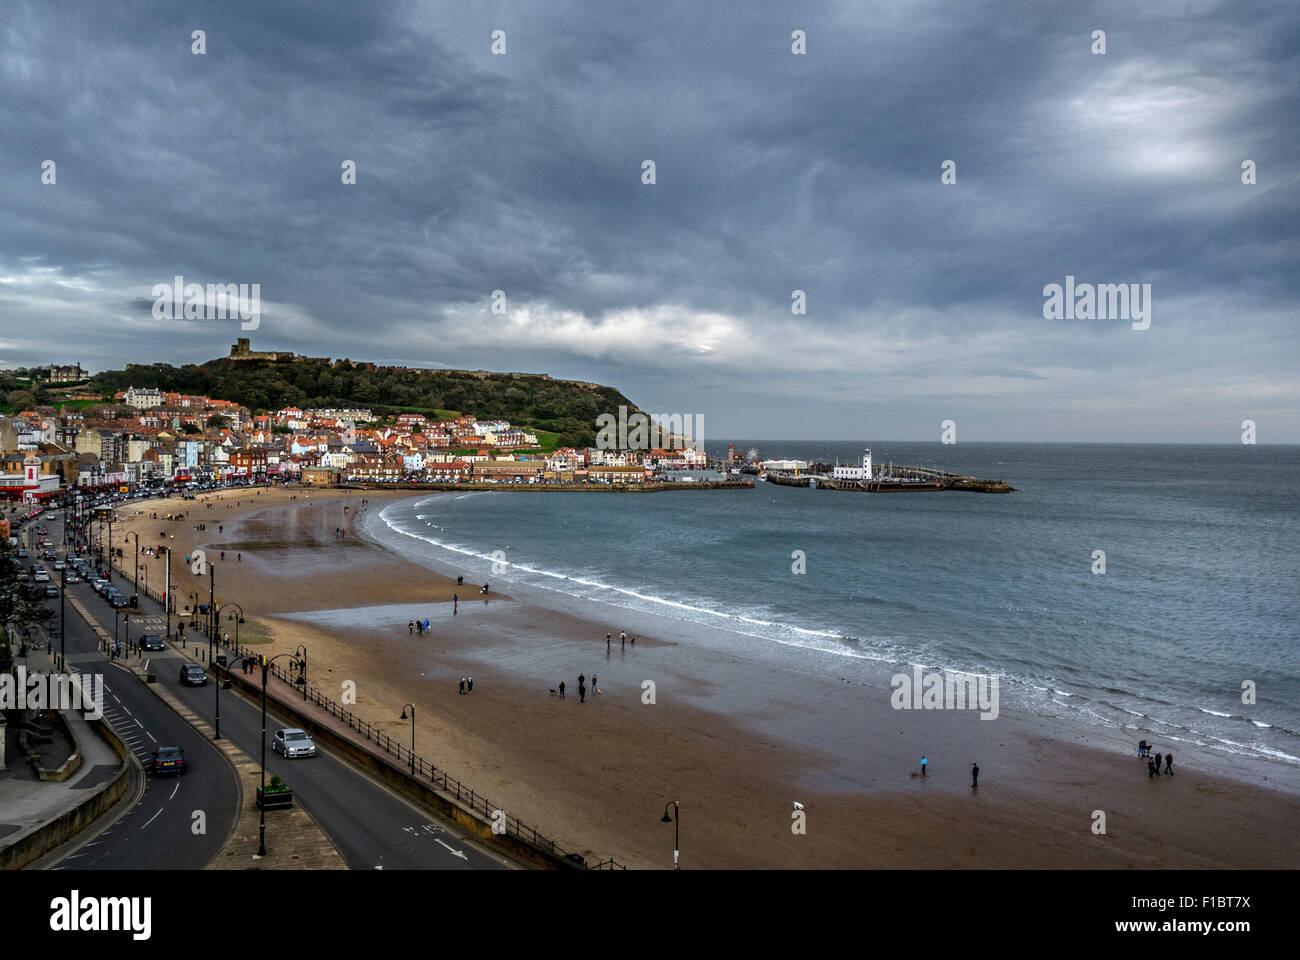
(302,673)
(261,829)
(212,608)
(167,595)
(403,717)
(238,620)
(63,589)
(135,580)
(675,819)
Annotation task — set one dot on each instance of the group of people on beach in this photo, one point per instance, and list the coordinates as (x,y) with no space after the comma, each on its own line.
(466,685)
(421,626)
(622,639)
(1153,762)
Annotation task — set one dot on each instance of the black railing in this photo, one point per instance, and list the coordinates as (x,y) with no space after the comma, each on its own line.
(423,769)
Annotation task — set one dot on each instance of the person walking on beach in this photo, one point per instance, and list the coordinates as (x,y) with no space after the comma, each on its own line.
(582,692)
(1151,767)
(608,639)
(974,775)
(462,685)
(582,678)
(410,626)
(622,638)
(1142,748)
(1159,760)
(594,689)
(924,764)
(561,689)
(469,684)
(1169,763)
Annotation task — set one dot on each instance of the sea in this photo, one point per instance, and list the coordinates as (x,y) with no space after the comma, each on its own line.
(1147,588)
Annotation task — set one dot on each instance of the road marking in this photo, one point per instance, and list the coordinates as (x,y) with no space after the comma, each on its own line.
(139,724)
(127,709)
(152,737)
(153,818)
(174,789)
(114,695)
(454,853)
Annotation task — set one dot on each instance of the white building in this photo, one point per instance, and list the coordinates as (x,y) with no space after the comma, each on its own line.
(143,399)
(845,471)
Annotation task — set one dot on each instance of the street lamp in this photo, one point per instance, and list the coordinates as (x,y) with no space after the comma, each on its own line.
(63,589)
(238,620)
(135,580)
(266,669)
(403,717)
(675,820)
(212,607)
(302,673)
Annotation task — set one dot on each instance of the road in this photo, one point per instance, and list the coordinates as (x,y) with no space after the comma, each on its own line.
(372,827)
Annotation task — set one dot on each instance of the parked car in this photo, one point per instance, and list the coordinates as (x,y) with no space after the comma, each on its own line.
(169,760)
(192,675)
(153,641)
(293,742)
(117,600)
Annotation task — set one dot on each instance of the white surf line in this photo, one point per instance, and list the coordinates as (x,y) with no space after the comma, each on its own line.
(153,818)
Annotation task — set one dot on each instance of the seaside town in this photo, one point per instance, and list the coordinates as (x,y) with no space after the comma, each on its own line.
(143,438)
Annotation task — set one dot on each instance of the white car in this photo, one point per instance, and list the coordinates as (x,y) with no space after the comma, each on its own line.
(293,742)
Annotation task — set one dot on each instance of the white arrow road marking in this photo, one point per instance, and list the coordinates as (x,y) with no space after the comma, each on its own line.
(454,853)
(430,828)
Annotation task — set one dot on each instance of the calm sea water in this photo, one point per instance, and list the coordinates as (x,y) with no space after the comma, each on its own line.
(1201,591)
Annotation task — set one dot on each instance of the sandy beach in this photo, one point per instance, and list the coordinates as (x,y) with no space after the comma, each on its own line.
(596,775)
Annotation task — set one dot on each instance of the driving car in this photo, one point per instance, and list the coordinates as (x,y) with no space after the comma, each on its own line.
(293,742)
(51,590)
(153,641)
(169,760)
(192,675)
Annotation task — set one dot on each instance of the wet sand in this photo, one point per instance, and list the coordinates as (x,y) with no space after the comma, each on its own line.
(735,741)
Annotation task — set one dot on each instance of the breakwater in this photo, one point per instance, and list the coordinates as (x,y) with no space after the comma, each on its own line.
(917,480)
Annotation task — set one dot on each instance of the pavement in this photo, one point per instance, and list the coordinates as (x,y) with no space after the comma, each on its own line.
(27,802)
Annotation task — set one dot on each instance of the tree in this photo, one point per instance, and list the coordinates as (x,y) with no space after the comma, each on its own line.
(219,422)
(189,429)
(22,399)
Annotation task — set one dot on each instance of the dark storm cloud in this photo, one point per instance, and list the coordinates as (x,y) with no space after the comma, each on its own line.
(775,172)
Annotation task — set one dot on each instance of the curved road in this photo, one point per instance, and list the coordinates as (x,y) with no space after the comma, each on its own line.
(372,827)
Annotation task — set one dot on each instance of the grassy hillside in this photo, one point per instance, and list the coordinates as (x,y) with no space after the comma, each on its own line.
(565,408)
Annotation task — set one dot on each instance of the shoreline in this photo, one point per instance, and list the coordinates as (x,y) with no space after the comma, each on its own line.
(724,736)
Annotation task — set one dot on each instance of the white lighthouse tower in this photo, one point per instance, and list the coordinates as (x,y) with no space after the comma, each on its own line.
(849,472)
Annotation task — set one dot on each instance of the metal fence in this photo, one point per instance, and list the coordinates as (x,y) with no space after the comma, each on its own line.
(423,769)
(418,765)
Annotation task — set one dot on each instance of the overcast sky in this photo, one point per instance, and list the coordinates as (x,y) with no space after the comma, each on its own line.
(819,172)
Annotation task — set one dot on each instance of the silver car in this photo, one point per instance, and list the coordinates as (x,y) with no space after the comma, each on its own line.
(293,742)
